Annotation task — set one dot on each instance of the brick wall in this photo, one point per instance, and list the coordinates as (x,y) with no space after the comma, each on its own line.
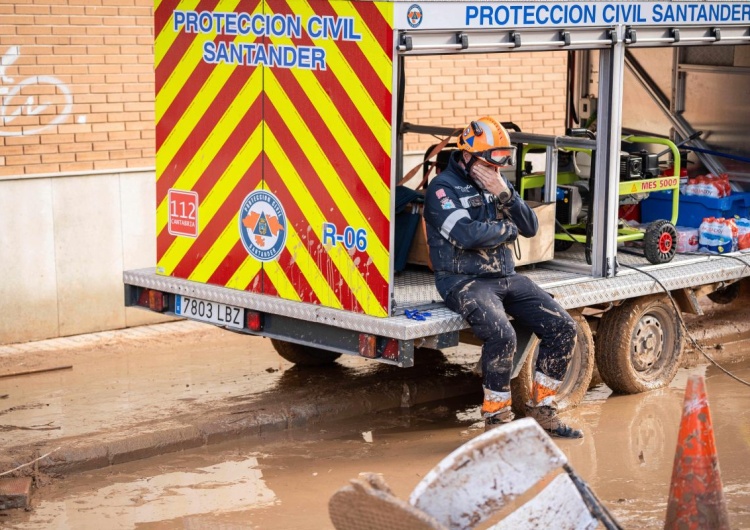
(77,86)
(76,96)
(525,88)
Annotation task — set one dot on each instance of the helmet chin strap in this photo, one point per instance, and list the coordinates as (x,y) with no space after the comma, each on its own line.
(468,165)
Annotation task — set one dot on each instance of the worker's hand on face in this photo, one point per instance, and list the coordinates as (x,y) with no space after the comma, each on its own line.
(491,180)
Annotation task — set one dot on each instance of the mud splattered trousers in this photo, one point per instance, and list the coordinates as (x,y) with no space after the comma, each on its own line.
(485,304)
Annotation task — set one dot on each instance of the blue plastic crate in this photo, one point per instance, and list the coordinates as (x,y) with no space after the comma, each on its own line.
(693,208)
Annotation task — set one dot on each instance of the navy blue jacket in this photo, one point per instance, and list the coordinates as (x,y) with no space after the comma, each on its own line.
(466,235)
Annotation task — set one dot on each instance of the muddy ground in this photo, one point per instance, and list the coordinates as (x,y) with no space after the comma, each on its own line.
(286,480)
(281,478)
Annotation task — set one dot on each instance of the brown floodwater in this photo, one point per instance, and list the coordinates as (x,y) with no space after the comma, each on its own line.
(285,482)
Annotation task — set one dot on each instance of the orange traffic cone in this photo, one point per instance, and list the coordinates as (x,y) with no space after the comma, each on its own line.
(696,496)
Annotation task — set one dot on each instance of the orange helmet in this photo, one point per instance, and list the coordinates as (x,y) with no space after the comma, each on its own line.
(485,138)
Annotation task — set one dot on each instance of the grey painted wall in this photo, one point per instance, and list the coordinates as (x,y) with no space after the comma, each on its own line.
(64,243)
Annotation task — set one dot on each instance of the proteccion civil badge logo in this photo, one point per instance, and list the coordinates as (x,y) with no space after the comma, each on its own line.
(414,15)
(262,225)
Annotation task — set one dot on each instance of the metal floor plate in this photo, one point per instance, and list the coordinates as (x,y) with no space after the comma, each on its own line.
(567,278)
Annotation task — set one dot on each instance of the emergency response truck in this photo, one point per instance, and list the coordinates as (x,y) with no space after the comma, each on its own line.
(279,140)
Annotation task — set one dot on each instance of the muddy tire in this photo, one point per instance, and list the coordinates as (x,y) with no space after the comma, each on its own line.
(726,295)
(303,355)
(639,345)
(576,381)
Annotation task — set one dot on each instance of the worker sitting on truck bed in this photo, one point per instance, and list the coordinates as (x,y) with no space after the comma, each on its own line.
(473,216)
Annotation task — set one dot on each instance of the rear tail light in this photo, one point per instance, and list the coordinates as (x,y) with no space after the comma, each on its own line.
(368,345)
(154,300)
(390,351)
(254,320)
(372,347)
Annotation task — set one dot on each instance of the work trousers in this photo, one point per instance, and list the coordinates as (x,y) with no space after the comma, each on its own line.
(485,304)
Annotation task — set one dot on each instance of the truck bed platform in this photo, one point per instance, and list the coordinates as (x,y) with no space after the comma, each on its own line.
(567,278)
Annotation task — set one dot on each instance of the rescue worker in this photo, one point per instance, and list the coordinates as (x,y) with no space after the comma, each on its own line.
(473,216)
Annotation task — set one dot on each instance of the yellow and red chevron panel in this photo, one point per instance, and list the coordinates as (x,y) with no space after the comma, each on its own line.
(273,142)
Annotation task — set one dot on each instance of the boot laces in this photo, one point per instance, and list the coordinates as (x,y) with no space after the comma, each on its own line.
(501,418)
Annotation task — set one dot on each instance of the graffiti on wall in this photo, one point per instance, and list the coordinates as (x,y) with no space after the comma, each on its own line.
(38,95)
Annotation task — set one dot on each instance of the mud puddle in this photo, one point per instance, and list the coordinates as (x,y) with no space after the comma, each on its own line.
(121,385)
(284,482)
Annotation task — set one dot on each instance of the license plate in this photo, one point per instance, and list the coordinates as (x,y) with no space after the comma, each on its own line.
(213,312)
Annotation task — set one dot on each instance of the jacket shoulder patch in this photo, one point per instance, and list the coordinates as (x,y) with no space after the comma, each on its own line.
(447,204)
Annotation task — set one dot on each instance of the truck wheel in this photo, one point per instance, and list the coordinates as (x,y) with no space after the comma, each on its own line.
(726,295)
(660,242)
(576,382)
(639,345)
(303,355)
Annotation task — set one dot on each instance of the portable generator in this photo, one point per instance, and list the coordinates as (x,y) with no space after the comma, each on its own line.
(569,205)
(638,166)
(639,174)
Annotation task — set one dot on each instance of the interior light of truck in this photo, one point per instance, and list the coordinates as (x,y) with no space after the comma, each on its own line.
(254,320)
(368,345)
